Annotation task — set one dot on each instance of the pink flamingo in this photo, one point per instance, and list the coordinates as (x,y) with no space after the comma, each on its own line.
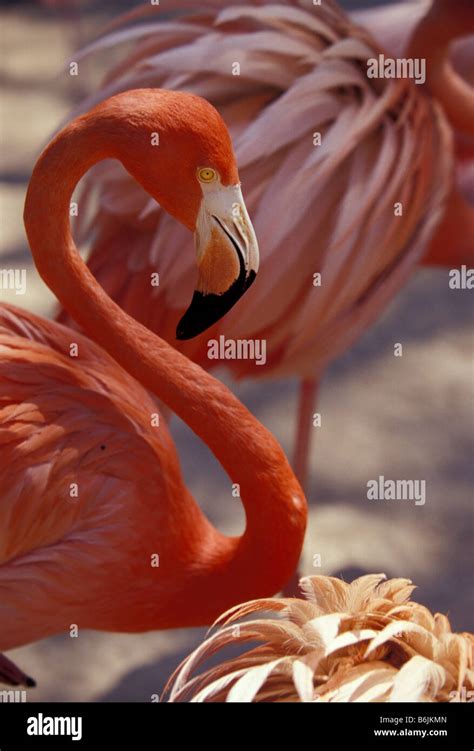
(98,528)
(321,148)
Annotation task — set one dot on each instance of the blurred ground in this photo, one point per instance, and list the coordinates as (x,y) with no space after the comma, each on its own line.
(404,418)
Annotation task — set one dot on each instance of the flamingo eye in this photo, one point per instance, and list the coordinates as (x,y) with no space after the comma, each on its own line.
(206,174)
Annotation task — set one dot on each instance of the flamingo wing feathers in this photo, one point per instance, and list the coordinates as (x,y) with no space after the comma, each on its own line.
(85,481)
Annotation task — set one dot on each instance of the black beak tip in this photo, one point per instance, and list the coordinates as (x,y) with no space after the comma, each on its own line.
(188,327)
(207,309)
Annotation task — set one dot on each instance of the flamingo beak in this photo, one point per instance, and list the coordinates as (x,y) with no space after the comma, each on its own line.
(227,259)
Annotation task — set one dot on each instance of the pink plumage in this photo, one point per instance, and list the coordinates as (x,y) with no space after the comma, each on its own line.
(68,422)
(325,209)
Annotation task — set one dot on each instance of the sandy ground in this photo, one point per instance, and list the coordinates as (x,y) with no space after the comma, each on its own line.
(408,417)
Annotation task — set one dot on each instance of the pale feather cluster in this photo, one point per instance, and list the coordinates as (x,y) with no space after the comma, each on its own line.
(364,641)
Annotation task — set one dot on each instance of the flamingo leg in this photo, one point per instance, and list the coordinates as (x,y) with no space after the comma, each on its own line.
(306,403)
(12,675)
(304,427)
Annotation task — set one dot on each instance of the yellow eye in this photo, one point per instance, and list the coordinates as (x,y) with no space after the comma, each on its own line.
(206,175)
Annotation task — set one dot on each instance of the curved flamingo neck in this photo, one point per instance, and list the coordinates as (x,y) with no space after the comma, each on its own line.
(232,569)
(445,21)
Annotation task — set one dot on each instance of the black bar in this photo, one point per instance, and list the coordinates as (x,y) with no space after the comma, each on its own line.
(156,725)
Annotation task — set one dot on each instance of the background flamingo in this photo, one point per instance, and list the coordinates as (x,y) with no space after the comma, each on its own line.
(86,558)
(302,70)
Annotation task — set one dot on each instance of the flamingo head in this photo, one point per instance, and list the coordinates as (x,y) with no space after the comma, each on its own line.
(226,251)
(193,175)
